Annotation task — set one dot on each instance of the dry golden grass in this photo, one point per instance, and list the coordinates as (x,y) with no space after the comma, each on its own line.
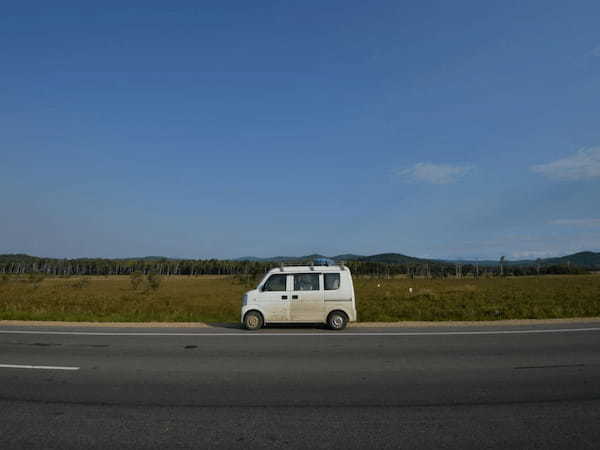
(217,299)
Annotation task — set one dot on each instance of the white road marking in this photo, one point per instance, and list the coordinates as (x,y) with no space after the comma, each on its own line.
(20,366)
(337,334)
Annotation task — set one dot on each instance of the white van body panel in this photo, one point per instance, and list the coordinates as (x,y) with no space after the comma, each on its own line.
(298,301)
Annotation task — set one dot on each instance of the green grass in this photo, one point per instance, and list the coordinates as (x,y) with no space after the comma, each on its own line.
(217,299)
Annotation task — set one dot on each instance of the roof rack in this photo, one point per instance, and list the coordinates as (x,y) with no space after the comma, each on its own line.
(282,265)
(317,262)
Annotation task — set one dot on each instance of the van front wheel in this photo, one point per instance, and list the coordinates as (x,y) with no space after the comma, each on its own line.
(337,320)
(253,321)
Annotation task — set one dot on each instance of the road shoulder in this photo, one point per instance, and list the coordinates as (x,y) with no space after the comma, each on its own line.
(405,324)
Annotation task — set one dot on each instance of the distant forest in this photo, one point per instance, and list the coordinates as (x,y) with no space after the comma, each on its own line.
(387,266)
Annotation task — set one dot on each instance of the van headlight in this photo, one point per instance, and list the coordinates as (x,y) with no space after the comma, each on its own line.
(245,300)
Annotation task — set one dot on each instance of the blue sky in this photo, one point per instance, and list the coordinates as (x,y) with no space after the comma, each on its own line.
(222,129)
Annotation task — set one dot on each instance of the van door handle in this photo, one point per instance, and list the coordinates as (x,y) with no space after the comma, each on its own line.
(284,297)
(294,297)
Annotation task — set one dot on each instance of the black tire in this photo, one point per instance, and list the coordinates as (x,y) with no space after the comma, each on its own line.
(337,320)
(253,321)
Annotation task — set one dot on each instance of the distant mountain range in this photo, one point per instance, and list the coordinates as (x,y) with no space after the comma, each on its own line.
(586,259)
(390,258)
(590,260)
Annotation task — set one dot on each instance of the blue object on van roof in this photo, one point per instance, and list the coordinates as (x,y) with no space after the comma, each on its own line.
(324,262)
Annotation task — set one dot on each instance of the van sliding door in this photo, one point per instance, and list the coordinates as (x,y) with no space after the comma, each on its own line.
(306,304)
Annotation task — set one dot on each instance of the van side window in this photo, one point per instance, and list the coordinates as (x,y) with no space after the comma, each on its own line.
(332,281)
(275,283)
(306,282)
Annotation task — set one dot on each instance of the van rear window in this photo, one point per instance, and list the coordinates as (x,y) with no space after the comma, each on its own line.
(332,281)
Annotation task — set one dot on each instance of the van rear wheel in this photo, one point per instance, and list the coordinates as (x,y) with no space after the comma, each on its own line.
(253,321)
(337,320)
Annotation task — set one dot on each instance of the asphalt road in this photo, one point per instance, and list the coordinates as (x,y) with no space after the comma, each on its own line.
(491,387)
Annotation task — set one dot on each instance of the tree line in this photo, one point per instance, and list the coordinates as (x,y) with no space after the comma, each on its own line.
(25,264)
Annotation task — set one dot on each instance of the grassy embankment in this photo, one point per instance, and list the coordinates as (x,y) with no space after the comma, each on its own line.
(217,299)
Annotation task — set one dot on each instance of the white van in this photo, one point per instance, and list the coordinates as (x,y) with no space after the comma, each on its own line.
(301,294)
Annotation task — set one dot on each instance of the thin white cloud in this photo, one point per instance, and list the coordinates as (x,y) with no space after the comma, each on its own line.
(433,173)
(577,222)
(584,164)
